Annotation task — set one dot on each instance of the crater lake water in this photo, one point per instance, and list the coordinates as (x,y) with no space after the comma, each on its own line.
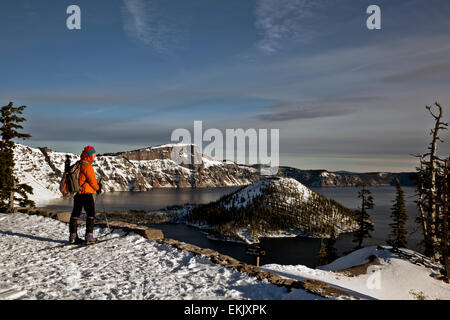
(287,251)
(154,199)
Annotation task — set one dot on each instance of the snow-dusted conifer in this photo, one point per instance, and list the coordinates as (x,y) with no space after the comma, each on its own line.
(399,234)
(364,223)
(10,120)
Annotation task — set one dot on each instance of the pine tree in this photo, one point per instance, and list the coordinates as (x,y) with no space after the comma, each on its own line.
(323,257)
(331,246)
(398,236)
(363,218)
(328,252)
(9,185)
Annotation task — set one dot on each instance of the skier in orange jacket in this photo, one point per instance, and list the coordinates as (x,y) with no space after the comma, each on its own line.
(85,197)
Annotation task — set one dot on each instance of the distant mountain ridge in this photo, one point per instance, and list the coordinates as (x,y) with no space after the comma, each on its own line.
(139,170)
(310,178)
(153,167)
(324,178)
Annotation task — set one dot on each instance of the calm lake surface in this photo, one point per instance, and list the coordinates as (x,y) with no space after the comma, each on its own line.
(288,251)
(149,200)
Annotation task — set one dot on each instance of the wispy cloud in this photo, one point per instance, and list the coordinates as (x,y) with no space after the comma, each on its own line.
(143,22)
(281,20)
(297,111)
(429,72)
(123,131)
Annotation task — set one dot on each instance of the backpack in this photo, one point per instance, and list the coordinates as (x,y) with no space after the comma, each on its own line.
(70,184)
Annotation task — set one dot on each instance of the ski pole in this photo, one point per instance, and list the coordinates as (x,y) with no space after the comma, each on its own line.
(103,207)
(104,213)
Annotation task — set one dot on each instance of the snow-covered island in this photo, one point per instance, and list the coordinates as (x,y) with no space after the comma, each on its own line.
(271,207)
(131,267)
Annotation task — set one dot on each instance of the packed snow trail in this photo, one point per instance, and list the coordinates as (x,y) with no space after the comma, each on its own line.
(128,267)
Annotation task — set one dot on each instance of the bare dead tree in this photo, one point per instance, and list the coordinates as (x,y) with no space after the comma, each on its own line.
(446,217)
(429,188)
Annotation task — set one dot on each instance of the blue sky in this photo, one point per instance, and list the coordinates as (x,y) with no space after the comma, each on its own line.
(343,97)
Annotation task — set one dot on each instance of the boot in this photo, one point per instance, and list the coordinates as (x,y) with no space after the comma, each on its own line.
(89,230)
(73,239)
(90,238)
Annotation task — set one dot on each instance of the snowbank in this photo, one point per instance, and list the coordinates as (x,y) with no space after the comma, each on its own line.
(397,278)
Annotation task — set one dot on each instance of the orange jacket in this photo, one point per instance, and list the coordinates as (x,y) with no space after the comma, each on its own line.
(87,179)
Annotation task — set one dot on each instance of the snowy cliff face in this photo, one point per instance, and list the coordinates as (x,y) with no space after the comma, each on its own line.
(274,207)
(138,170)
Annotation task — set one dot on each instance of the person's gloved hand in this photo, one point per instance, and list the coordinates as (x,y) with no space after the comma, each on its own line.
(100,188)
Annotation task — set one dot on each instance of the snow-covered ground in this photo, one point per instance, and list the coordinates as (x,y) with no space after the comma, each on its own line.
(395,279)
(130,267)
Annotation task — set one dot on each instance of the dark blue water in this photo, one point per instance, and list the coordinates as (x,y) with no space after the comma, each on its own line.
(281,251)
(383,197)
(150,200)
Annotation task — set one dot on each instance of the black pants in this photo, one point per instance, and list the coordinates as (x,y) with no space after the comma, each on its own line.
(86,201)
